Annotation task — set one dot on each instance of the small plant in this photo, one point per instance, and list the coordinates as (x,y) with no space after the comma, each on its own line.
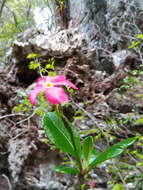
(35,64)
(61,132)
(131,80)
(24,105)
(83,155)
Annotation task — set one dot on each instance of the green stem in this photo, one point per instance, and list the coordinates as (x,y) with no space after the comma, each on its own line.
(81,185)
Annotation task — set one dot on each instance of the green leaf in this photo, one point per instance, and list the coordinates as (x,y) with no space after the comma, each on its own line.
(66,169)
(93,156)
(32,55)
(139,121)
(52,73)
(57,133)
(75,138)
(112,152)
(87,148)
(118,187)
(140,36)
(49,66)
(134,44)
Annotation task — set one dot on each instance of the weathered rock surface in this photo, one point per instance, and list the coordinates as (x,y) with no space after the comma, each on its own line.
(97,35)
(96,28)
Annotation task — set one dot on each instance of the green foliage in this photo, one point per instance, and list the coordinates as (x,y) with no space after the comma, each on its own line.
(75,137)
(78,115)
(118,187)
(32,56)
(129,82)
(66,169)
(35,64)
(24,105)
(64,135)
(16,17)
(132,79)
(139,121)
(70,90)
(137,42)
(57,133)
(112,152)
(87,148)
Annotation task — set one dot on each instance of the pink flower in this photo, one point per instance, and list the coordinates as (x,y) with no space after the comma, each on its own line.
(91,183)
(51,86)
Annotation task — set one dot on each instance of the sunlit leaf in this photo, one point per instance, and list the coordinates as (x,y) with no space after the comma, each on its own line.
(118,187)
(57,133)
(113,151)
(66,169)
(87,148)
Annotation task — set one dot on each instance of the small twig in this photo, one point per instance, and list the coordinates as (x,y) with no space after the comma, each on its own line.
(26,118)
(8,181)
(3,153)
(88,114)
(40,71)
(105,50)
(23,132)
(11,115)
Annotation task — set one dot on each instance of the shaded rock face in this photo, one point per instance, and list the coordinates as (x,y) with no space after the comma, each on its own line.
(106,20)
(89,16)
(121,19)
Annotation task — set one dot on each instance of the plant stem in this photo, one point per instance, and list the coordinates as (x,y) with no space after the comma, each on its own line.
(80,185)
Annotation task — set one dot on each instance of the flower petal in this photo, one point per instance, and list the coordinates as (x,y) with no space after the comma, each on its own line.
(59,78)
(56,95)
(66,83)
(40,82)
(34,93)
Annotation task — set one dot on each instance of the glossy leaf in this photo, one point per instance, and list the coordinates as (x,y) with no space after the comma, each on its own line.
(75,135)
(93,156)
(87,148)
(66,169)
(57,133)
(112,152)
(118,187)
(75,138)
(140,36)
(139,121)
